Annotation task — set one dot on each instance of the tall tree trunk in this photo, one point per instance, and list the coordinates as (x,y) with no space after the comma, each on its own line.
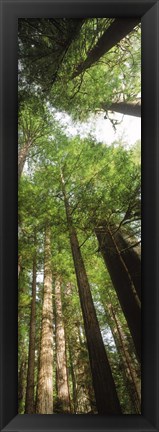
(73,377)
(127,108)
(22,383)
(84,377)
(117,31)
(127,360)
(104,387)
(130,371)
(22,157)
(61,365)
(122,283)
(132,261)
(29,405)
(123,367)
(45,378)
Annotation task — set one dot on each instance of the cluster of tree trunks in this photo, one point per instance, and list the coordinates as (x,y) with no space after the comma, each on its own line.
(104,387)
(123,264)
(122,276)
(129,371)
(111,36)
(124,267)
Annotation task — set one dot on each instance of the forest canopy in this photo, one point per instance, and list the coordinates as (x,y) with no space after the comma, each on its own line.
(79,218)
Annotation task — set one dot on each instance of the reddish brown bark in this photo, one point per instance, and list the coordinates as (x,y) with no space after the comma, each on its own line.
(61,364)
(73,377)
(122,283)
(103,383)
(127,360)
(22,383)
(45,377)
(29,405)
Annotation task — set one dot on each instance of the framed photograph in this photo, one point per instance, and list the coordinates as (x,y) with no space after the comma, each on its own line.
(80,163)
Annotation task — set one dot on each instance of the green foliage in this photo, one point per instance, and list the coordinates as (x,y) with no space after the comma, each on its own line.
(49,52)
(102,186)
(101,182)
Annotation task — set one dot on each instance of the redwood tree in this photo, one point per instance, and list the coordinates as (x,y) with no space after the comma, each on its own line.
(104,387)
(61,362)
(45,376)
(122,282)
(29,404)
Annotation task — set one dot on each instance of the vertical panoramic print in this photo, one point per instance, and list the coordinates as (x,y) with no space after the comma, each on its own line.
(79,216)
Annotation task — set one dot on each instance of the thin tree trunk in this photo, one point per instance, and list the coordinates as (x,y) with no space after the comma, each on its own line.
(123,365)
(80,367)
(117,31)
(130,374)
(61,365)
(127,360)
(45,378)
(104,387)
(121,342)
(38,370)
(22,157)
(22,384)
(70,345)
(84,367)
(122,283)
(127,108)
(29,405)
(73,377)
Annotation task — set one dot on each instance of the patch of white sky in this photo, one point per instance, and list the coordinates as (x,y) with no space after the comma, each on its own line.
(127,130)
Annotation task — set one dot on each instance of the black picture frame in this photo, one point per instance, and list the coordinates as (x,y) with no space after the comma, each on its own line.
(148,421)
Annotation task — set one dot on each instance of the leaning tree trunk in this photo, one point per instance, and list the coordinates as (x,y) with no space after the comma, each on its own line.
(122,283)
(129,371)
(123,368)
(29,404)
(103,383)
(132,261)
(61,365)
(45,378)
(127,360)
(117,31)
(126,108)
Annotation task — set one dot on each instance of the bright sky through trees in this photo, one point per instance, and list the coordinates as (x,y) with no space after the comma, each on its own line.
(128,129)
